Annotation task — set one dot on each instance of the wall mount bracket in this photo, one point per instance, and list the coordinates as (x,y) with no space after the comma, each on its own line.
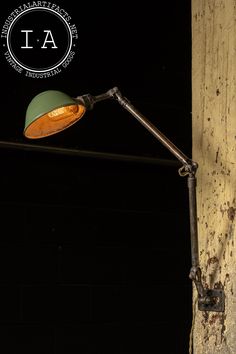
(214,300)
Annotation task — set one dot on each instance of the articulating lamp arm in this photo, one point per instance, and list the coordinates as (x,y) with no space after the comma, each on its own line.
(208,300)
(89,101)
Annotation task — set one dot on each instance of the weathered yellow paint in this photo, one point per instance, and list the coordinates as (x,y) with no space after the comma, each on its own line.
(214,148)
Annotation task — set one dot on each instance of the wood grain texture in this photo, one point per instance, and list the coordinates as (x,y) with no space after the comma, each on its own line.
(214,141)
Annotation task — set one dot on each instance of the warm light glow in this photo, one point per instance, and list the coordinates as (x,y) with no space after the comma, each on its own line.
(62,112)
(54,121)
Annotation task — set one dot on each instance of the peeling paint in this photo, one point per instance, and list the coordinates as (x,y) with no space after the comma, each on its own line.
(218,285)
(212,260)
(231,213)
(227,277)
(223,328)
(217,154)
(214,127)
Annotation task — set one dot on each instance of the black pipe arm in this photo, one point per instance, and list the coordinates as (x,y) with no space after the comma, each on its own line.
(208,300)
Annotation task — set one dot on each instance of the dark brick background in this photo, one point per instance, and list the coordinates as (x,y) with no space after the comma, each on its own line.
(95,253)
(94,256)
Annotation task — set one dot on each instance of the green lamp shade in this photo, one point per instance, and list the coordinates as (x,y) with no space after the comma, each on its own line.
(50,112)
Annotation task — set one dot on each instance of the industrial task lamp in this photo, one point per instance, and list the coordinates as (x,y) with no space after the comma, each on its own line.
(53,111)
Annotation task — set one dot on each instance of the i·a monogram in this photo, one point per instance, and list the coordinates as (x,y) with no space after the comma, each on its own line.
(48,39)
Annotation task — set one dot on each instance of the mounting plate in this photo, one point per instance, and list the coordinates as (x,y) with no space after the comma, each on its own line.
(213,301)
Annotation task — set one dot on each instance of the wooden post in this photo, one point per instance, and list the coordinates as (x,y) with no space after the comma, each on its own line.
(214,148)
